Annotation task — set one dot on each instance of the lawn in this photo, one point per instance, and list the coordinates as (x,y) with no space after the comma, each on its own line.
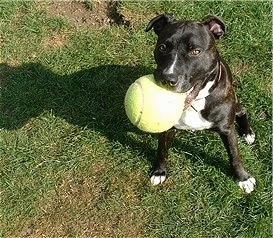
(72,165)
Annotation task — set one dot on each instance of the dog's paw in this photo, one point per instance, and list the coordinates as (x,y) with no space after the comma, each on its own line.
(250,138)
(158,179)
(248,185)
(158,176)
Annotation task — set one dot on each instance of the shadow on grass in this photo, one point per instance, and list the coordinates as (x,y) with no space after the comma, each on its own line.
(90,98)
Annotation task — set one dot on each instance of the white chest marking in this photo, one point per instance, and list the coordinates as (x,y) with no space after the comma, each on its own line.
(191,118)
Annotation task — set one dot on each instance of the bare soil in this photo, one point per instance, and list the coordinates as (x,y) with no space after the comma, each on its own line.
(92,14)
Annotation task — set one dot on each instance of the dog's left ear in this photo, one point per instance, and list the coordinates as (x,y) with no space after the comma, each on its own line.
(216,25)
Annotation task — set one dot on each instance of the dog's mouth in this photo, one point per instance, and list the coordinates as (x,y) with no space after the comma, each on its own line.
(191,91)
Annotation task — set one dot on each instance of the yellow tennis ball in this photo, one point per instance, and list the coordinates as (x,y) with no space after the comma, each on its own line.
(152,108)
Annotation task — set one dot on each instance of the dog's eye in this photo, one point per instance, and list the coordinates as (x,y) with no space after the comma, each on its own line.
(195,52)
(162,48)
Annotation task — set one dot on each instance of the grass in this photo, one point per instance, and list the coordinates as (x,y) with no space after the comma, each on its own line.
(71,163)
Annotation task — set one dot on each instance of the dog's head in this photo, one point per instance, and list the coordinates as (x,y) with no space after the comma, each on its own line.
(185,52)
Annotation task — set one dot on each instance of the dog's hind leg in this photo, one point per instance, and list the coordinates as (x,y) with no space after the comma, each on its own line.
(243,123)
(246,181)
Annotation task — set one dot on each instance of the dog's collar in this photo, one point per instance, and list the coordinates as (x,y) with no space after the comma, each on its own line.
(220,71)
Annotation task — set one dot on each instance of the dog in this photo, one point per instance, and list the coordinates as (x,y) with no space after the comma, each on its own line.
(187,61)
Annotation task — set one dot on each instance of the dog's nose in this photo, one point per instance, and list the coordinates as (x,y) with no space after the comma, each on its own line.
(169,79)
(172,83)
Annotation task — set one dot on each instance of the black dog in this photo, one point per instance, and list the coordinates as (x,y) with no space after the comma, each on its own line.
(188,62)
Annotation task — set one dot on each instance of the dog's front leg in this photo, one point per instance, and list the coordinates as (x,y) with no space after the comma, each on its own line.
(159,172)
(246,181)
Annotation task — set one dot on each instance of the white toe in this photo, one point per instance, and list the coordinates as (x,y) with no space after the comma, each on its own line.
(155,180)
(250,138)
(248,185)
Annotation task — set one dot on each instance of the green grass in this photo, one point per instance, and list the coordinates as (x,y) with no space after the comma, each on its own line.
(71,163)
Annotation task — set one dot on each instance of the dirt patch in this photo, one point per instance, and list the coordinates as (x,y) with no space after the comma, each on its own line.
(54,41)
(92,14)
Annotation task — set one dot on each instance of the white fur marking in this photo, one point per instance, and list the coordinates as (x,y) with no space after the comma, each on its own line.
(191,118)
(250,138)
(205,91)
(155,180)
(248,185)
(171,68)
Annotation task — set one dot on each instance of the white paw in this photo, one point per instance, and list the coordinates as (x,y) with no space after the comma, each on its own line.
(248,185)
(155,180)
(249,138)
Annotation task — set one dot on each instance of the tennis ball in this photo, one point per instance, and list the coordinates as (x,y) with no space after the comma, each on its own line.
(152,108)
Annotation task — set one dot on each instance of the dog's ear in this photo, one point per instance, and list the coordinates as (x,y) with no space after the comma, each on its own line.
(159,22)
(216,25)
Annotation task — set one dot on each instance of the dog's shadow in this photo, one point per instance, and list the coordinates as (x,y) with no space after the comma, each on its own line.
(91,98)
